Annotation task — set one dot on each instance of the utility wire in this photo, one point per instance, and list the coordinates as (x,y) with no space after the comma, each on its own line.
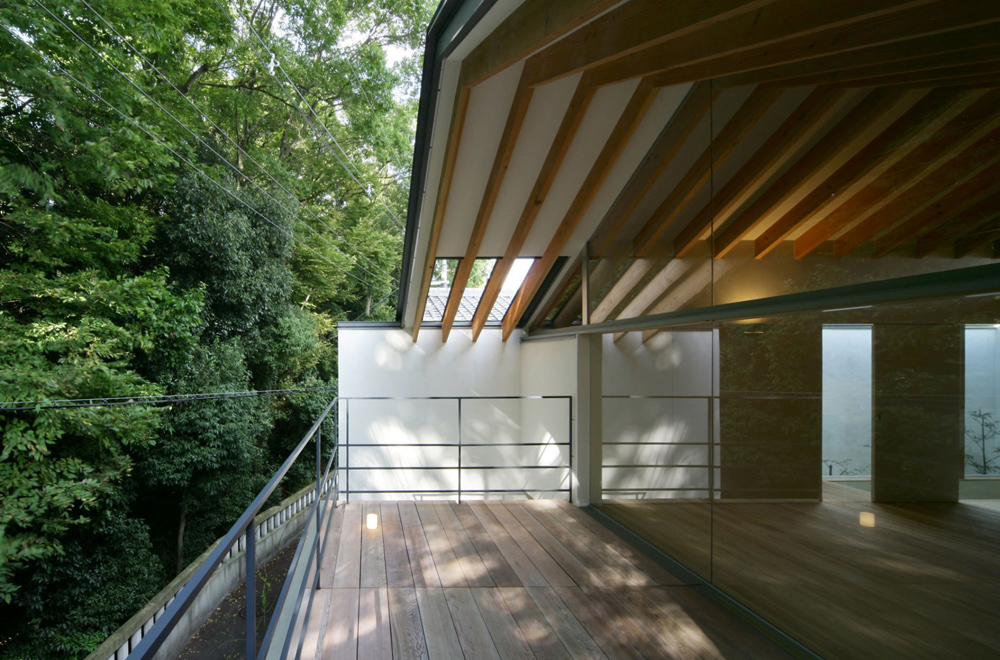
(223,132)
(330,137)
(192,132)
(161,142)
(373,307)
(152,400)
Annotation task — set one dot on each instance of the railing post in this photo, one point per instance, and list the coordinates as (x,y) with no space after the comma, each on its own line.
(319,491)
(251,604)
(459,450)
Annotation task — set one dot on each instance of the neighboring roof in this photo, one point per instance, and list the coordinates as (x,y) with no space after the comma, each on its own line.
(562,123)
(437,299)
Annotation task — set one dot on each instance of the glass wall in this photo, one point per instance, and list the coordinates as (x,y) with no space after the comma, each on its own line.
(836,470)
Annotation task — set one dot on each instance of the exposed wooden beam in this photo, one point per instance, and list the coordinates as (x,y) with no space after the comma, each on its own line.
(679,128)
(967,217)
(930,78)
(764,28)
(631,27)
(653,290)
(444,188)
(897,179)
(986,233)
(637,271)
(620,135)
(511,130)
(575,112)
(877,72)
(870,117)
(928,116)
(712,156)
(684,291)
(959,162)
(907,21)
(954,202)
(561,294)
(915,53)
(795,132)
(600,274)
(532,26)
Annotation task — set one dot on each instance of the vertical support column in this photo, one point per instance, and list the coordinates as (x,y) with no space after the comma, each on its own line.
(589,400)
(918,391)
(251,601)
(459,450)
(585,284)
(319,495)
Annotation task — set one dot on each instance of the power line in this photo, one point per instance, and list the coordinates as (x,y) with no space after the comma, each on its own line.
(275,62)
(192,132)
(151,400)
(161,142)
(227,136)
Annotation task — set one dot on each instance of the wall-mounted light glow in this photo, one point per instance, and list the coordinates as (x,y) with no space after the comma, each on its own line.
(867,519)
(372,521)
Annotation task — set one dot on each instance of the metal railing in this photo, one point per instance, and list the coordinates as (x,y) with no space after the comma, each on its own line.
(455,439)
(245,530)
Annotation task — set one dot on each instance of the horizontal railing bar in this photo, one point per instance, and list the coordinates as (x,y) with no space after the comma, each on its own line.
(661,444)
(464,467)
(151,643)
(464,445)
(654,467)
(501,397)
(465,490)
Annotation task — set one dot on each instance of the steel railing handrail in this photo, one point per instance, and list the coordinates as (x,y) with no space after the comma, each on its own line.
(157,635)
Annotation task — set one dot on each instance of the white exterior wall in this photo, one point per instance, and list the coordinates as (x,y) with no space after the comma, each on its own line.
(377,362)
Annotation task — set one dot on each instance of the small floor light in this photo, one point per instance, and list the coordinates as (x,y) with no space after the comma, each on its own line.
(867,519)
(373,521)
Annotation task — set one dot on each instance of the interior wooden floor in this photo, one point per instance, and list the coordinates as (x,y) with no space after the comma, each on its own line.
(924,582)
(504,579)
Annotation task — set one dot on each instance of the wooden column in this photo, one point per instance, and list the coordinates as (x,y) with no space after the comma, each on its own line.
(918,390)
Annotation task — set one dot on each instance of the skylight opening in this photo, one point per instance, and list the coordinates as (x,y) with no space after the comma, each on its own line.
(508,290)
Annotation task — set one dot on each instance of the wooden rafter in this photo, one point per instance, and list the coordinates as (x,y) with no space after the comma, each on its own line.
(620,135)
(955,201)
(712,156)
(963,219)
(533,25)
(600,274)
(908,20)
(679,128)
(574,115)
(958,163)
(985,233)
(877,110)
(637,271)
(515,119)
(915,54)
(930,78)
(928,116)
(870,201)
(562,292)
(800,127)
(444,188)
(655,288)
(681,294)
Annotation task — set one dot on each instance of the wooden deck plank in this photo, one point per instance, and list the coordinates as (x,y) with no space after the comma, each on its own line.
(476,572)
(374,630)
(439,629)
(564,556)
(500,569)
(507,637)
(397,563)
(574,636)
(408,641)
(546,565)
(473,634)
(341,639)
(518,560)
(610,638)
(564,527)
(348,571)
(659,574)
(372,550)
(315,625)
(536,630)
(631,627)
(448,568)
(328,566)
(421,562)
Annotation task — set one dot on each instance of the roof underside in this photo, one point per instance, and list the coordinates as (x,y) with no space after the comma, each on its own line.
(655,130)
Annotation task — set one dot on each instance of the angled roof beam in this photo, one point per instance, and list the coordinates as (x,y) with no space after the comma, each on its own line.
(637,271)
(966,219)
(928,116)
(515,119)
(958,164)
(914,54)
(796,131)
(620,135)
(989,231)
(600,274)
(870,202)
(563,291)
(876,111)
(874,24)
(654,290)
(444,188)
(575,113)
(930,78)
(719,149)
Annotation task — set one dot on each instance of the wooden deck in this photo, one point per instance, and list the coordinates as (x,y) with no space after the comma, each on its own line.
(511,579)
